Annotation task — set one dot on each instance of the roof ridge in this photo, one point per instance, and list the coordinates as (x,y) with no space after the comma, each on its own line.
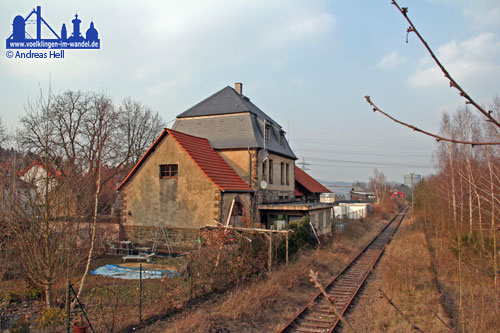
(206,99)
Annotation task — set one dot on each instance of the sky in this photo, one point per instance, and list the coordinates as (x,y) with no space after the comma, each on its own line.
(307,64)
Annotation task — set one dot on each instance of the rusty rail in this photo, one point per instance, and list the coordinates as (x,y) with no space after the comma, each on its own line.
(316,316)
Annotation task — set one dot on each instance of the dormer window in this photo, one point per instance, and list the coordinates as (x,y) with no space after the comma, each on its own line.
(268,132)
(282,138)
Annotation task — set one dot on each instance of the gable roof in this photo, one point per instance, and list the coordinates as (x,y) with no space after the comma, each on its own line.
(52,171)
(229,120)
(208,160)
(308,182)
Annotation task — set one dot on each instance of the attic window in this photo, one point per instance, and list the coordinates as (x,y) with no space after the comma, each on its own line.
(168,171)
(282,138)
(268,132)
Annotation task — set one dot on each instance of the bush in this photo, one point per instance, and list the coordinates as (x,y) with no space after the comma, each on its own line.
(51,318)
(9,298)
(300,237)
(20,326)
(33,291)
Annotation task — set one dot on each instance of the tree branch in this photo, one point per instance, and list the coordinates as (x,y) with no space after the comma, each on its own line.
(453,83)
(437,137)
(413,325)
(317,283)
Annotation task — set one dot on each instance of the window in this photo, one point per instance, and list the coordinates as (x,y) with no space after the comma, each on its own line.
(264,170)
(282,173)
(282,138)
(288,174)
(268,132)
(168,171)
(270,171)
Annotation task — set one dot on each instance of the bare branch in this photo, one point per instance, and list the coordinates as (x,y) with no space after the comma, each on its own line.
(453,83)
(384,295)
(437,137)
(317,283)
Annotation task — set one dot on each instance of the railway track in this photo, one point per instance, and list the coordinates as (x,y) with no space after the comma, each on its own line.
(316,316)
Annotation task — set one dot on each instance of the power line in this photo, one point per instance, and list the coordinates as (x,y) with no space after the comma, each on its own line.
(358,152)
(370,167)
(304,164)
(373,163)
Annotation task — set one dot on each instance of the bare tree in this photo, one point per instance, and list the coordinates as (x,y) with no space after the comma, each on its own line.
(3,133)
(36,222)
(139,126)
(99,127)
(378,184)
(79,134)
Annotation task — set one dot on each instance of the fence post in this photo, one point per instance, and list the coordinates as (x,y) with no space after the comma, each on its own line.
(140,293)
(286,235)
(81,307)
(68,307)
(190,272)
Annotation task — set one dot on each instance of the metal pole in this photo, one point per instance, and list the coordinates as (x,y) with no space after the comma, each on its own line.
(270,259)
(286,235)
(190,272)
(412,192)
(68,307)
(81,307)
(140,293)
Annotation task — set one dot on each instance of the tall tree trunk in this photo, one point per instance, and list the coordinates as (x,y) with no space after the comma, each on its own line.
(493,228)
(94,227)
(48,295)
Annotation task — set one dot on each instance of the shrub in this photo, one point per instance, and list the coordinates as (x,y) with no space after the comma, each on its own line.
(51,318)
(300,237)
(20,326)
(33,291)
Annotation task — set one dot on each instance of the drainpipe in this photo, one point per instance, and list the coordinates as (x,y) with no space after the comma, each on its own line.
(249,167)
(221,207)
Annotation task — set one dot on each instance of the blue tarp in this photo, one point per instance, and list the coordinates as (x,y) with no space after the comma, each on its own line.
(132,273)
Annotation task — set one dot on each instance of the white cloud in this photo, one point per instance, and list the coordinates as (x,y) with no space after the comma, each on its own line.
(471,60)
(484,13)
(391,60)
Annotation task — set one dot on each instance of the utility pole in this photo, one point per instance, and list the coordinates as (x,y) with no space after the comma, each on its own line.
(412,187)
(304,164)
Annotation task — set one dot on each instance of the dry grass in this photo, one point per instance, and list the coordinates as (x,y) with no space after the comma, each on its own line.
(405,275)
(480,307)
(267,303)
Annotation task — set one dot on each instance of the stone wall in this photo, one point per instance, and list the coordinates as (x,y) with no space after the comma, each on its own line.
(179,238)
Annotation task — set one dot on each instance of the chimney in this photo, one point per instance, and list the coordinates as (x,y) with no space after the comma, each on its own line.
(239,88)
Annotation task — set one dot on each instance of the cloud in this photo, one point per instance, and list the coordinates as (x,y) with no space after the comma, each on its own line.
(483,13)
(391,60)
(471,60)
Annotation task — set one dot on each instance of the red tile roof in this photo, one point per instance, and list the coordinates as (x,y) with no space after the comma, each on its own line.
(298,193)
(309,182)
(208,160)
(52,171)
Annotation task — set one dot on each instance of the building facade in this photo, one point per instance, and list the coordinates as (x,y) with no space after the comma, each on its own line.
(223,161)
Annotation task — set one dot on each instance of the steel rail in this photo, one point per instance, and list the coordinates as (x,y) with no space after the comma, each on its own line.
(315,317)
